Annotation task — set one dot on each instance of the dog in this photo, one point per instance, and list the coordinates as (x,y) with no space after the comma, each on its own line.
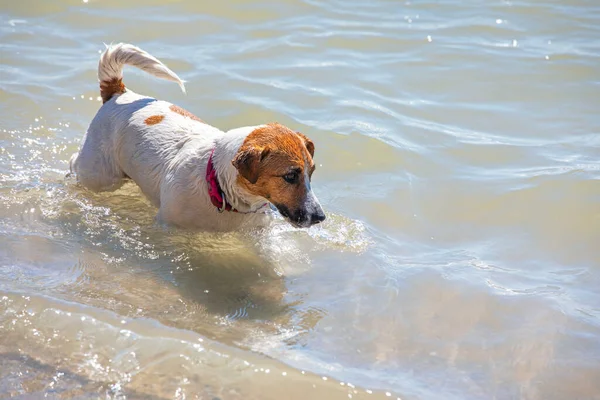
(198,176)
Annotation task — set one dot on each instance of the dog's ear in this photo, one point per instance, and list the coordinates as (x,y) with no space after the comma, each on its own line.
(247,163)
(310,146)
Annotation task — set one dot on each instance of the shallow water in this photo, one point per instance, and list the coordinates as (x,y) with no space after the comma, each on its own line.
(458,157)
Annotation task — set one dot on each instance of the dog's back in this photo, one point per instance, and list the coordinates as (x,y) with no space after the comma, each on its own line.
(131,124)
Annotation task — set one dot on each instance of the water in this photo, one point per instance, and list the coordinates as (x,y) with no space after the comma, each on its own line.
(457,150)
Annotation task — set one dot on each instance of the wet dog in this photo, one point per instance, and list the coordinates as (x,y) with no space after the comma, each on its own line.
(195,174)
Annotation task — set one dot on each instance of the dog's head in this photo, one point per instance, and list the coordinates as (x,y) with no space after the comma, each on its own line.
(276,163)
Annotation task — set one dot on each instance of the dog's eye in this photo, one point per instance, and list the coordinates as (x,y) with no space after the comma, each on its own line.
(292,177)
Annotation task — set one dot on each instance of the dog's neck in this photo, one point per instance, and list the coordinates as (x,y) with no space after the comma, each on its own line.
(226,148)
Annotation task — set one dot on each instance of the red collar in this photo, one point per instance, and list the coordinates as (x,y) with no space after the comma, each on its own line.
(217,197)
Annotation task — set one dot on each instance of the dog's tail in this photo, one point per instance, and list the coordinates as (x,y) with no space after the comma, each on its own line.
(110,68)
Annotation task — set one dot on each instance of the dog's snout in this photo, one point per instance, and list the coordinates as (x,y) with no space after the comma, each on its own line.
(309,214)
(315,214)
(317,217)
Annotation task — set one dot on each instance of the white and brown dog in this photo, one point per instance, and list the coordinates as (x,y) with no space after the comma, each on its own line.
(197,175)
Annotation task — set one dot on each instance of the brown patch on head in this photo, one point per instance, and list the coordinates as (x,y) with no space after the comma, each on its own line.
(185,113)
(153,120)
(109,88)
(276,163)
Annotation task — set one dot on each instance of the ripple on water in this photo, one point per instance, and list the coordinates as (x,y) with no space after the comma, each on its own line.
(457,153)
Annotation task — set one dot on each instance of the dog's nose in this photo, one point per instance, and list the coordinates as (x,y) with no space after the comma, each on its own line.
(317,217)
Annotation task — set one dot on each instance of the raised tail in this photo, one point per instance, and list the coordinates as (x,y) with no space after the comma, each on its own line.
(110,68)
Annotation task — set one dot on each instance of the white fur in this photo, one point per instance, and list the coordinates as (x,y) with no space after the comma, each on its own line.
(167,160)
(116,56)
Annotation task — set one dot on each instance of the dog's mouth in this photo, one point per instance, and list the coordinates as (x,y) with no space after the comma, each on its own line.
(285,213)
(297,224)
(302,221)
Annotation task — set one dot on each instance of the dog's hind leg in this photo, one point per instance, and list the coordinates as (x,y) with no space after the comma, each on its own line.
(95,169)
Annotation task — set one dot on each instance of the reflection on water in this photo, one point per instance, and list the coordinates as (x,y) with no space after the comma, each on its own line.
(237,275)
(457,159)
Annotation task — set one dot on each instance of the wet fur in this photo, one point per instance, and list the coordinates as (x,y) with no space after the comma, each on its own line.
(165,150)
